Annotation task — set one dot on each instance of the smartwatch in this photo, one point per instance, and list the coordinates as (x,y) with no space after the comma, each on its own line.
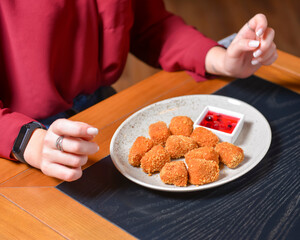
(23,139)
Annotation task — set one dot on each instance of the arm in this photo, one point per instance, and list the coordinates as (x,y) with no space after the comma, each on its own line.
(41,149)
(162,39)
(10,125)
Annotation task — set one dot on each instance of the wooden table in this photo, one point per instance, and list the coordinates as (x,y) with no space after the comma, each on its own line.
(30,205)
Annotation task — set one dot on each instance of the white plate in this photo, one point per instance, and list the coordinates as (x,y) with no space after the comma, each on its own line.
(254,139)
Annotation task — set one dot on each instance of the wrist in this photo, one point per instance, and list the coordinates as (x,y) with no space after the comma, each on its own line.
(23,138)
(34,148)
(215,61)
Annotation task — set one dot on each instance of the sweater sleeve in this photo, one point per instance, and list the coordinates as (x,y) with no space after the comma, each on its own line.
(11,123)
(162,39)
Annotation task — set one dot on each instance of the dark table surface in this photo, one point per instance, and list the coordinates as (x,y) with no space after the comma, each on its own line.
(262,204)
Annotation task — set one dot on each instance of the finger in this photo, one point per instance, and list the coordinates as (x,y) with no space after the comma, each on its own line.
(79,146)
(64,127)
(270,60)
(241,46)
(267,60)
(69,144)
(70,160)
(61,172)
(267,40)
(259,24)
(64,158)
(265,55)
(254,28)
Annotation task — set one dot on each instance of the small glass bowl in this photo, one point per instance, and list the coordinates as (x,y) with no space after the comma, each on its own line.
(223,136)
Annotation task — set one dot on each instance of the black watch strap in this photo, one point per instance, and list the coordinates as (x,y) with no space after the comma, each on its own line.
(23,139)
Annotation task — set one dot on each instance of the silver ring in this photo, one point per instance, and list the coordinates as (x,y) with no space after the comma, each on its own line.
(58,144)
(248,25)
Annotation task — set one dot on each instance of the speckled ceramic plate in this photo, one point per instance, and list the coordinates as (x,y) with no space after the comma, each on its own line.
(250,139)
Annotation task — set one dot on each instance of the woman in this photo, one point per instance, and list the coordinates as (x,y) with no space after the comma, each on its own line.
(53,51)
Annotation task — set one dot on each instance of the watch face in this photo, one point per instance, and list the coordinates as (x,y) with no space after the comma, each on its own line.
(19,142)
(23,139)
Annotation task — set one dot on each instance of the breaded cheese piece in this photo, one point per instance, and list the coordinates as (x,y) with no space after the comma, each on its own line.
(181,125)
(177,145)
(204,137)
(202,171)
(207,153)
(140,146)
(174,173)
(159,132)
(154,160)
(230,154)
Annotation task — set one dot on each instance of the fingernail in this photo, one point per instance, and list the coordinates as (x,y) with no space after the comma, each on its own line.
(259,32)
(257,53)
(253,43)
(96,149)
(254,62)
(92,131)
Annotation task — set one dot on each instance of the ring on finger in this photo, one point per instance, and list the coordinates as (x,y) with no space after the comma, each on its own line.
(58,144)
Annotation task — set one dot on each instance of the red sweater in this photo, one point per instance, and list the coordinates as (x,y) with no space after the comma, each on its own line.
(51,51)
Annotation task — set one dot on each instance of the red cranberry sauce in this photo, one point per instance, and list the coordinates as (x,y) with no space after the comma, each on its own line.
(219,121)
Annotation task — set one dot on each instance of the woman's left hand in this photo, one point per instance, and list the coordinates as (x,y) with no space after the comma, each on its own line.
(251,48)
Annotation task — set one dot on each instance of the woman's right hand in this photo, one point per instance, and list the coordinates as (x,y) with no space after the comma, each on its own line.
(41,151)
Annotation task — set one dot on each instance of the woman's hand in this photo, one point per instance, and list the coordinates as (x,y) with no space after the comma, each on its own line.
(43,151)
(252,47)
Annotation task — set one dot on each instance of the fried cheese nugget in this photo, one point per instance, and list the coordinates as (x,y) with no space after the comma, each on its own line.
(177,145)
(174,173)
(159,132)
(207,153)
(154,160)
(204,137)
(202,171)
(230,154)
(181,125)
(140,146)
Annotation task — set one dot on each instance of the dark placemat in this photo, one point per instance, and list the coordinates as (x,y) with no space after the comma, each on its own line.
(262,204)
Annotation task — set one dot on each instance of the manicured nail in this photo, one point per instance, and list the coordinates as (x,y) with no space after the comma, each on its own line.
(96,149)
(259,32)
(257,53)
(92,131)
(253,43)
(254,62)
